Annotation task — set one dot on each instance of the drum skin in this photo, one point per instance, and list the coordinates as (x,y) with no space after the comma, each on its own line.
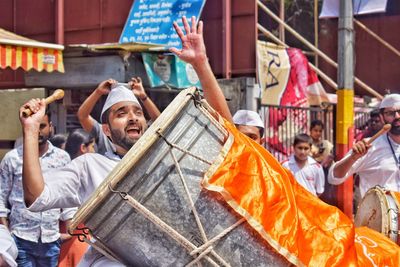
(153,180)
(378,210)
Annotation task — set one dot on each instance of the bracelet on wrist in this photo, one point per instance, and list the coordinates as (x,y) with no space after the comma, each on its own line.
(144,98)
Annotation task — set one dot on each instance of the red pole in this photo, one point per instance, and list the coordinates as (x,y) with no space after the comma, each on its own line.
(59,22)
(227,38)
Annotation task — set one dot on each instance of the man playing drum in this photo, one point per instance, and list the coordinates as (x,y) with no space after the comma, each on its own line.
(376,163)
(123,122)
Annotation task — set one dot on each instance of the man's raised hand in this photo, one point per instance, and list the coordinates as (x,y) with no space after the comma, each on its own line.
(105,86)
(38,108)
(193,49)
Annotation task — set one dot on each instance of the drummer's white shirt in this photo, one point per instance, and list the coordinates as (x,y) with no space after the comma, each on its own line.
(377,167)
(77,181)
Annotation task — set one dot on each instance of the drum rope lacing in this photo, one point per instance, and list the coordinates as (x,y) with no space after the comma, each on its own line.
(165,227)
(182,149)
(207,243)
(201,251)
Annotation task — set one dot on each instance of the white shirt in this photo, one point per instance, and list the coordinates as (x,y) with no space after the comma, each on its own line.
(377,167)
(311,176)
(25,224)
(77,181)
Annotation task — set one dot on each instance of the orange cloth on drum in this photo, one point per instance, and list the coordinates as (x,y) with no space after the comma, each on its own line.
(72,250)
(305,230)
(375,249)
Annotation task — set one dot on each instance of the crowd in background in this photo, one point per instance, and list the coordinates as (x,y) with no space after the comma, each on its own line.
(39,238)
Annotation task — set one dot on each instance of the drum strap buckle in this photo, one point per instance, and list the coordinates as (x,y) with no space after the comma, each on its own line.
(123,195)
(80,233)
(196,98)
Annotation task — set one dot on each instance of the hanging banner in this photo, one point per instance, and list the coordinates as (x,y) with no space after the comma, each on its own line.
(150,21)
(286,80)
(330,8)
(285,77)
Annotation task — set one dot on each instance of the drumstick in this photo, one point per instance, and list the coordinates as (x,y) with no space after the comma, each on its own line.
(57,95)
(386,128)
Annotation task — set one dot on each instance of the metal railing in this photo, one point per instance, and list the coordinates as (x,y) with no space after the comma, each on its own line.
(318,52)
(283,123)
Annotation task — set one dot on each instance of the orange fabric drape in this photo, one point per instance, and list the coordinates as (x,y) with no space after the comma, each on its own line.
(305,230)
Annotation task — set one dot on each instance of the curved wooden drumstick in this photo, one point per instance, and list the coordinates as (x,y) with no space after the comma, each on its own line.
(57,95)
(386,128)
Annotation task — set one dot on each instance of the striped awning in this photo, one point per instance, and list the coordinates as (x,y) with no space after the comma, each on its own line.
(20,52)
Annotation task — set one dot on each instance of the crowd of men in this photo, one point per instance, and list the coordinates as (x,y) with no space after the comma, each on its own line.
(42,184)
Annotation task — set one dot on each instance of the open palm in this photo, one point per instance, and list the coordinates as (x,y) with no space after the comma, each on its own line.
(193,48)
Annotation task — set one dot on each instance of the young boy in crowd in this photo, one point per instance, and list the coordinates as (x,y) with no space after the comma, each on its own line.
(306,170)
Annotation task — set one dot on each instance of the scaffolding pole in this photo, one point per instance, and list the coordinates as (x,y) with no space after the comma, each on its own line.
(345,94)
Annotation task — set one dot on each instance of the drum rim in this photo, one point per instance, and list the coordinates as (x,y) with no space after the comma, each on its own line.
(380,193)
(390,221)
(393,218)
(132,157)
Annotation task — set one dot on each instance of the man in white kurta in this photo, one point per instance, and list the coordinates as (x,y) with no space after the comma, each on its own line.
(123,122)
(77,182)
(377,167)
(379,162)
(79,179)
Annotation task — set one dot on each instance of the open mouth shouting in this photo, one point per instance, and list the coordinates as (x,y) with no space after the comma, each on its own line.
(133,131)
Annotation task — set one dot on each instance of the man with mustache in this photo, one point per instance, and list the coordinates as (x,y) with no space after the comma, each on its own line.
(377,163)
(36,234)
(123,122)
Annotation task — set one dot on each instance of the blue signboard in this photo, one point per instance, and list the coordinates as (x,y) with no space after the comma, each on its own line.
(150,21)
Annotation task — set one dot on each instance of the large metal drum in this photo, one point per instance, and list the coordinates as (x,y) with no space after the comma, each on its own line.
(167,216)
(379,210)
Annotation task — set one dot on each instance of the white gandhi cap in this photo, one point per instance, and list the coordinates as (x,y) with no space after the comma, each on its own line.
(116,95)
(248,118)
(391,101)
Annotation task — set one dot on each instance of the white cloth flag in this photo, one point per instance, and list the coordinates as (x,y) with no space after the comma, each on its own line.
(330,8)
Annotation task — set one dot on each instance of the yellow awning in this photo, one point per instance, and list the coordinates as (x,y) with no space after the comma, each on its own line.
(20,52)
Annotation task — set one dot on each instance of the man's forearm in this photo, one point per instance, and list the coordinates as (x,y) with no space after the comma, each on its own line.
(32,177)
(151,108)
(86,108)
(212,91)
(343,166)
